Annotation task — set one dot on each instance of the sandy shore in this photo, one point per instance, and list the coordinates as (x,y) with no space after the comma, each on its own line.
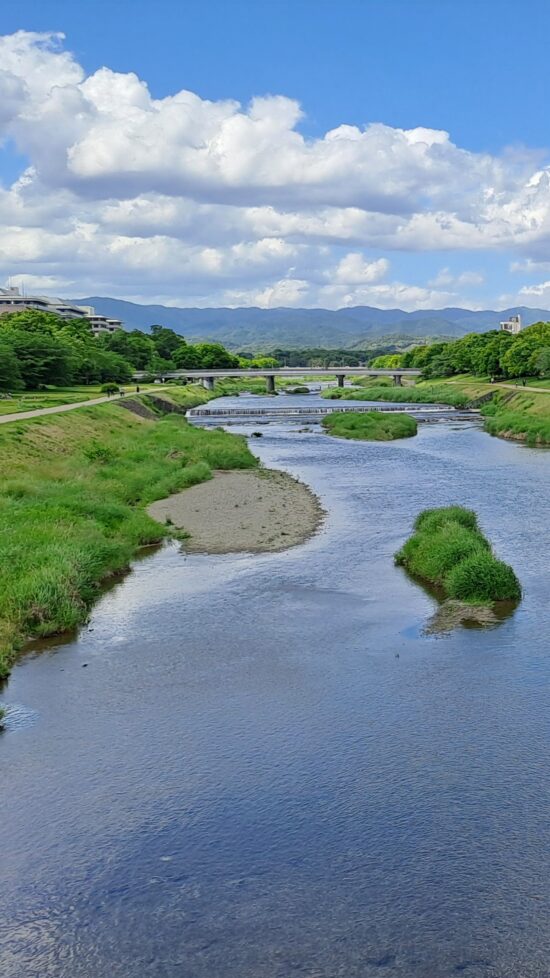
(245,511)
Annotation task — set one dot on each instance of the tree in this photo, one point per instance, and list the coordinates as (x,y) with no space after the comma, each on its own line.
(43,359)
(30,321)
(186,357)
(215,356)
(112,367)
(258,363)
(136,347)
(521,356)
(542,362)
(10,375)
(387,361)
(166,341)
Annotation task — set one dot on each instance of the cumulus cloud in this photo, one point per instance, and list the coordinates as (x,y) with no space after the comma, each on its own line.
(446,278)
(200,201)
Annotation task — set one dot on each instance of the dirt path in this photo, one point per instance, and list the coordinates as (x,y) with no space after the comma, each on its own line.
(246,511)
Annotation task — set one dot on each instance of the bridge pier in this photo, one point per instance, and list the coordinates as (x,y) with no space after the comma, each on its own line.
(398,380)
(340,378)
(270,383)
(208,382)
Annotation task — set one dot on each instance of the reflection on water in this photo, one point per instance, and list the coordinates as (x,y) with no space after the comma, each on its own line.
(267,770)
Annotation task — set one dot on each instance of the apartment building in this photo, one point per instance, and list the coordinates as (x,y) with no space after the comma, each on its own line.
(12,300)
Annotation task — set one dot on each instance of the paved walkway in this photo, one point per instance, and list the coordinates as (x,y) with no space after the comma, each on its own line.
(59,408)
(510,387)
(520,387)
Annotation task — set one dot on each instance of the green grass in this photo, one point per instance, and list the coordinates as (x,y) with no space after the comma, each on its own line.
(55,396)
(448,550)
(73,492)
(370,426)
(427,394)
(519,415)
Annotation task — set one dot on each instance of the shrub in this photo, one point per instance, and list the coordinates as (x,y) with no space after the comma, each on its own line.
(481,578)
(439,551)
(434,519)
(95,452)
(448,549)
(109,388)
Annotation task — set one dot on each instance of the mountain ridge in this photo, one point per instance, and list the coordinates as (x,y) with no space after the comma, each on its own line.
(251,327)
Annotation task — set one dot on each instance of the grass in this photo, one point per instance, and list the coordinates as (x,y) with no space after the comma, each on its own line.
(448,550)
(520,415)
(73,492)
(55,396)
(370,426)
(428,394)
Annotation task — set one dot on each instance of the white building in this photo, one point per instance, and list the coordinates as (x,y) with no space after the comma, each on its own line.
(512,325)
(11,300)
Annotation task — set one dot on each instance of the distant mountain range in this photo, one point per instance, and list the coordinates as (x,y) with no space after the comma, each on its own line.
(355,328)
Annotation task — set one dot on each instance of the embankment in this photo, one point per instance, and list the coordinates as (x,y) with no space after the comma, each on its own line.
(518,415)
(73,495)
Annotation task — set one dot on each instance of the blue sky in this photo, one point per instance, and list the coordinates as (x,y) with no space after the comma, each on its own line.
(223,206)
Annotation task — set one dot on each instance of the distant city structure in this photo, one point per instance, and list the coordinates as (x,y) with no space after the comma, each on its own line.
(12,300)
(512,325)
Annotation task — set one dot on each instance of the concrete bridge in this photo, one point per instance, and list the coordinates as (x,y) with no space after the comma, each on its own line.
(207,376)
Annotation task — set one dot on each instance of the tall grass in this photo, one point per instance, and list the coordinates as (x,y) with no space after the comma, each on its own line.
(73,492)
(399,395)
(370,425)
(533,429)
(449,550)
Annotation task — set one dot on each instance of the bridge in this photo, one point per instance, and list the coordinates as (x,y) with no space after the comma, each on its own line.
(208,376)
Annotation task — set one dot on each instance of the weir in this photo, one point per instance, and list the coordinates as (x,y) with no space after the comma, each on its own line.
(419,411)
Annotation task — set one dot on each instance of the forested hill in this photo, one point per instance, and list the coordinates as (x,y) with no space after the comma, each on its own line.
(354,328)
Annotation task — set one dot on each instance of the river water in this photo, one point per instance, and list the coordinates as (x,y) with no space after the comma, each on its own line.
(261,767)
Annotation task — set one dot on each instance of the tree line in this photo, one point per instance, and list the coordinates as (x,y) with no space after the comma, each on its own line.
(39,349)
(496,354)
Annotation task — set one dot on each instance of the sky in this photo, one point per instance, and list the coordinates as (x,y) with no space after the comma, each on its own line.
(393,153)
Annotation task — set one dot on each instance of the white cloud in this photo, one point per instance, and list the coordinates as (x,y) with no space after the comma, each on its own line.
(202,201)
(446,278)
(354,270)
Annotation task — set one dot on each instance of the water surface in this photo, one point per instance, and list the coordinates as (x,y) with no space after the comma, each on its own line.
(265,770)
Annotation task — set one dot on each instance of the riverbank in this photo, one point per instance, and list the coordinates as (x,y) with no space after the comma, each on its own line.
(427,394)
(515,413)
(74,488)
(256,511)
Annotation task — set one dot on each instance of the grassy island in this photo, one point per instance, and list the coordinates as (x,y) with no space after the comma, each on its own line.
(370,425)
(448,550)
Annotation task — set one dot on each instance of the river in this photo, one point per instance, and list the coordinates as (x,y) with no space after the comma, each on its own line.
(261,767)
